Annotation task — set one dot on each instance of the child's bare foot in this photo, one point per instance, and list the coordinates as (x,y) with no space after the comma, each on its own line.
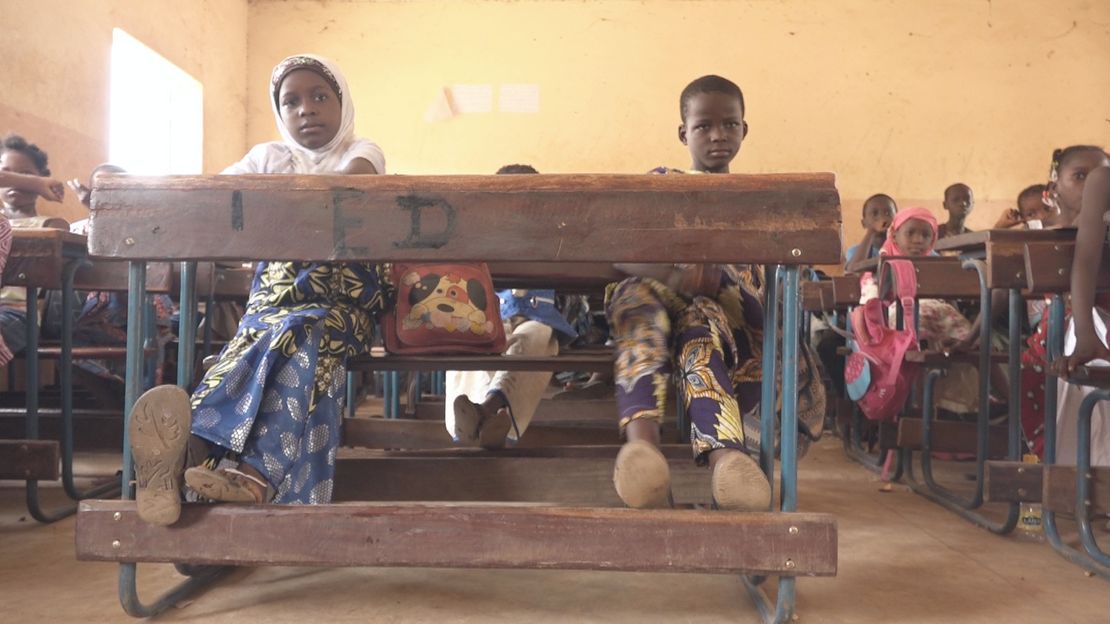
(642,477)
(738,482)
(159,434)
(228,485)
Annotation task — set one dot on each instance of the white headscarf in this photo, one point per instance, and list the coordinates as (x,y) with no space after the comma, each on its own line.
(289,156)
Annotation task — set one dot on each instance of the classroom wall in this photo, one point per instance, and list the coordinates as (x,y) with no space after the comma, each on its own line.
(902,96)
(55,74)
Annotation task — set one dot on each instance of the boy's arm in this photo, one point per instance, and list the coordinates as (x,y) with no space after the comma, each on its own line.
(861,252)
(1089,242)
(49,188)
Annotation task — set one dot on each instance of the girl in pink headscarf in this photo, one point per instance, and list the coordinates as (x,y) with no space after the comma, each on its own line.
(913,233)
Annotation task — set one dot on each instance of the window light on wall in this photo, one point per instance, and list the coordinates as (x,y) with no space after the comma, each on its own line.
(156,123)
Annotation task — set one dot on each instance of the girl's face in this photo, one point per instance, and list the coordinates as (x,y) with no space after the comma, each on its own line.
(309,108)
(914,237)
(1067,191)
(12,161)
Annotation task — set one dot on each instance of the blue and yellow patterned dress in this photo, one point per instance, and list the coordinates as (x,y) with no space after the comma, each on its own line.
(276,395)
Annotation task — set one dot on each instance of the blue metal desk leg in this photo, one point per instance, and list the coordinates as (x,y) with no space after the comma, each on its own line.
(783,610)
(128,592)
(1055,344)
(65,372)
(934,491)
(1083,486)
(187,326)
(31,357)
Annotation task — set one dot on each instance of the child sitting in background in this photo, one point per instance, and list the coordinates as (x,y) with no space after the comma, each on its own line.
(273,401)
(26,177)
(489,407)
(1031,210)
(1086,340)
(959,201)
(913,233)
(1063,196)
(706,319)
(878,211)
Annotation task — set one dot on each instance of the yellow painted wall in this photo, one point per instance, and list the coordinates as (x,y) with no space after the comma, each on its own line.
(902,96)
(54,78)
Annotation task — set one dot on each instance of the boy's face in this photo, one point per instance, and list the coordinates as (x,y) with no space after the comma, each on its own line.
(713,130)
(877,215)
(309,108)
(958,201)
(12,161)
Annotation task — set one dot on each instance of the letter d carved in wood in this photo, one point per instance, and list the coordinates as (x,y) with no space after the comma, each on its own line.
(417,238)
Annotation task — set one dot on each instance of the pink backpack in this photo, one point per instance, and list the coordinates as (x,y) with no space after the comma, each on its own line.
(876,374)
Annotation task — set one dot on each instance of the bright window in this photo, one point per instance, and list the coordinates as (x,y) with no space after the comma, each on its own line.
(157,112)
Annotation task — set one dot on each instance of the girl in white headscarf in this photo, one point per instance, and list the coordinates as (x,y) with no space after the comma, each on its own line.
(272,403)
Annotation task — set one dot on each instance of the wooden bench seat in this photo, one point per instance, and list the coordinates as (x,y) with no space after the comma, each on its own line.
(465,536)
(950,437)
(1013,482)
(29,459)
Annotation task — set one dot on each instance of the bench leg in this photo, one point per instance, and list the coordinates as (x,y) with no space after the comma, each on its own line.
(965,507)
(200,576)
(1083,488)
(1048,518)
(31,352)
(65,372)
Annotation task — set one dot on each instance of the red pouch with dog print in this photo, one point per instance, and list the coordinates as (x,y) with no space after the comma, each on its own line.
(443,308)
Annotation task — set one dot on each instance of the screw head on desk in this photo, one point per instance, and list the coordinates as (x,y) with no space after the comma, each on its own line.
(793,530)
(117,516)
(115,544)
(790,565)
(1021,470)
(128,241)
(22,276)
(1059,271)
(797,253)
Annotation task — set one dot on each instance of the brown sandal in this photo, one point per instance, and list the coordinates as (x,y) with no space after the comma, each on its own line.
(159,434)
(227,485)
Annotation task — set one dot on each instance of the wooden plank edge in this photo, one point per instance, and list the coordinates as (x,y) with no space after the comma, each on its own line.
(465,536)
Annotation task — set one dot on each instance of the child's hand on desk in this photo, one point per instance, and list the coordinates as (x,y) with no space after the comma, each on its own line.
(1085,351)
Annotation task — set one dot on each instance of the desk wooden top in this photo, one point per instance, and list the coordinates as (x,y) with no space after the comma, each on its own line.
(38,256)
(937,276)
(973,241)
(782,218)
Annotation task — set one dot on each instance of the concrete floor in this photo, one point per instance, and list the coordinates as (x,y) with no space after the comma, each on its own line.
(902,559)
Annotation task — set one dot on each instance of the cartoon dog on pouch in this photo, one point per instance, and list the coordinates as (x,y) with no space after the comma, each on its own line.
(447,302)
